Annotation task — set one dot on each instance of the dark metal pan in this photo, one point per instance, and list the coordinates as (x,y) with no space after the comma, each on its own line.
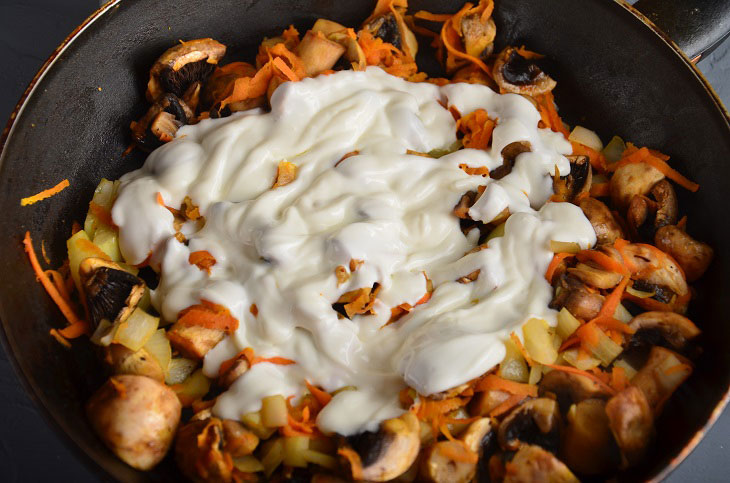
(617,73)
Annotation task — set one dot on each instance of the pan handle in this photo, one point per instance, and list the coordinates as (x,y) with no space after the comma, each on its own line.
(696,26)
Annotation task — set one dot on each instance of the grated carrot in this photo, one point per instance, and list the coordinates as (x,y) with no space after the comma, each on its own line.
(554,264)
(678,368)
(508,404)
(45,193)
(516,340)
(597,159)
(457,451)
(323,397)
(210,315)
(492,382)
(228,363)
(77,326)
(611,302)
(432,17)
(619,381)
(101,214)
(202,259)
(602,260)
(285,69)
(43,252)
(547,101)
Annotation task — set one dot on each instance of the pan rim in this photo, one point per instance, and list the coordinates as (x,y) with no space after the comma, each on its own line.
(101,470)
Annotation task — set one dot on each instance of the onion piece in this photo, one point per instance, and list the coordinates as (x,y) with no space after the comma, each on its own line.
(564,247)
(567,324)
(539,341)
(614,150)
(586,137)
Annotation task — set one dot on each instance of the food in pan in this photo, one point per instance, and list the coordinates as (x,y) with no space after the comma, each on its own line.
(346,268)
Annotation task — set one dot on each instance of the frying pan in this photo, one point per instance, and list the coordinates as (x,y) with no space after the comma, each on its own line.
(616,73)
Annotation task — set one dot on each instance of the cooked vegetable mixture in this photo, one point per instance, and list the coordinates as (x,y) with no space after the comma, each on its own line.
(577,353)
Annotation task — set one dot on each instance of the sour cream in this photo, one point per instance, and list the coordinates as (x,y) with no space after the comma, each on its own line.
(279,248)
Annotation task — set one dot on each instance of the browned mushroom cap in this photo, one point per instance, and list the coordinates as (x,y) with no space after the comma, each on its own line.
(509,155)
(666,199)
(535,421)
(161,122)
(573,294)
(318,53)
(182,65)
(385,454)
(578,181)
(662,374)
(604,223)
(239,368)
(693,256)
(390,27)
(571,388)
(478,35)
(532,463)
(655,267)
(126,361)
(111,293)
(136,417)
(588,445)
(595,277)
(631,422)
(437,464)
(632,179)
(674,328)
(516,74)
(204,448)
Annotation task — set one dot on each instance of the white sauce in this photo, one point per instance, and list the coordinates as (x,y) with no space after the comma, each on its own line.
(279,248)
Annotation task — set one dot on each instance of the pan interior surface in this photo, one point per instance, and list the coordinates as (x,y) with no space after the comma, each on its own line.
(614,75)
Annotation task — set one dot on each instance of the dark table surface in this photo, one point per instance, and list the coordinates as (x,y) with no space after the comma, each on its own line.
(29,449)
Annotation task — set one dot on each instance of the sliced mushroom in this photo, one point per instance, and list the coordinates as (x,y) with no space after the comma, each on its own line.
(509,156)
(161,122)
(655,267)
(577,181)
(693,256)
(632,424)
(318,53)
(136,417)
(535,421)
(632,179)
(573,294)
(390,27)
(533,464)
(204,448)
(237,369)
(674,328)
(478,35)
(595,277)
(570,388)
(180,66)
(385,454)
(588,445)
(194,341)
(439,466)
(126,361)
(662,374)
(484,402)
(666,199)
(645,215)
(111,293)
(516,74)
(473,436)
(604,223)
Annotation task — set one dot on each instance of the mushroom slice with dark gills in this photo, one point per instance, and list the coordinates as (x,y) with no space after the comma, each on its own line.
(478,35)
(576,297)
(111,293)
(675,329)
(438,463)
(693,256)
(588,446)
(182,65)
(534,464)
(594,276)
(604,223)
(385,454)
(509,156)
(632,424)
(662,374)
(535,421)
(570,388)
(390,27)
(576,182)
(204,448)
(653,266)
(161,122)
(516,74)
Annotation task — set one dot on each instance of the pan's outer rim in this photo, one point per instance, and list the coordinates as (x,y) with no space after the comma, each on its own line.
(48,64)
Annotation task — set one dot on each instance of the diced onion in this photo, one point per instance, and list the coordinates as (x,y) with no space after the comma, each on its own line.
(248,464)
(539,341)
(159,347)
(272,455)
(606,350)
(321,459)
(274,412)
(496,232)
(586,137)
(622,314)
(583,363)
(628,368)
(614,149)
(193,388)
(638,293)
(564,247)
(294,448)
(567,324)
(104,333)
(179,369)
(513,366)
(134,332)
(535,374)
(253,422)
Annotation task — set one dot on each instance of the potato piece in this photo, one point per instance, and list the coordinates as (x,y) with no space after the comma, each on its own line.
(141,363)
(136,417)
(194,341)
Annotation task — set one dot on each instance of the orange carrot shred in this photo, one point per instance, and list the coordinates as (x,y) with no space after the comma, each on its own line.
(516,340)
(228,363)
(285,69)
(321,396)
(76,326)
(43,252)
(45,193)
(603,260)
(494,382)
(619,381)
(202,259)
(210,315)
(508,404)
(574,370)
(554,264)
